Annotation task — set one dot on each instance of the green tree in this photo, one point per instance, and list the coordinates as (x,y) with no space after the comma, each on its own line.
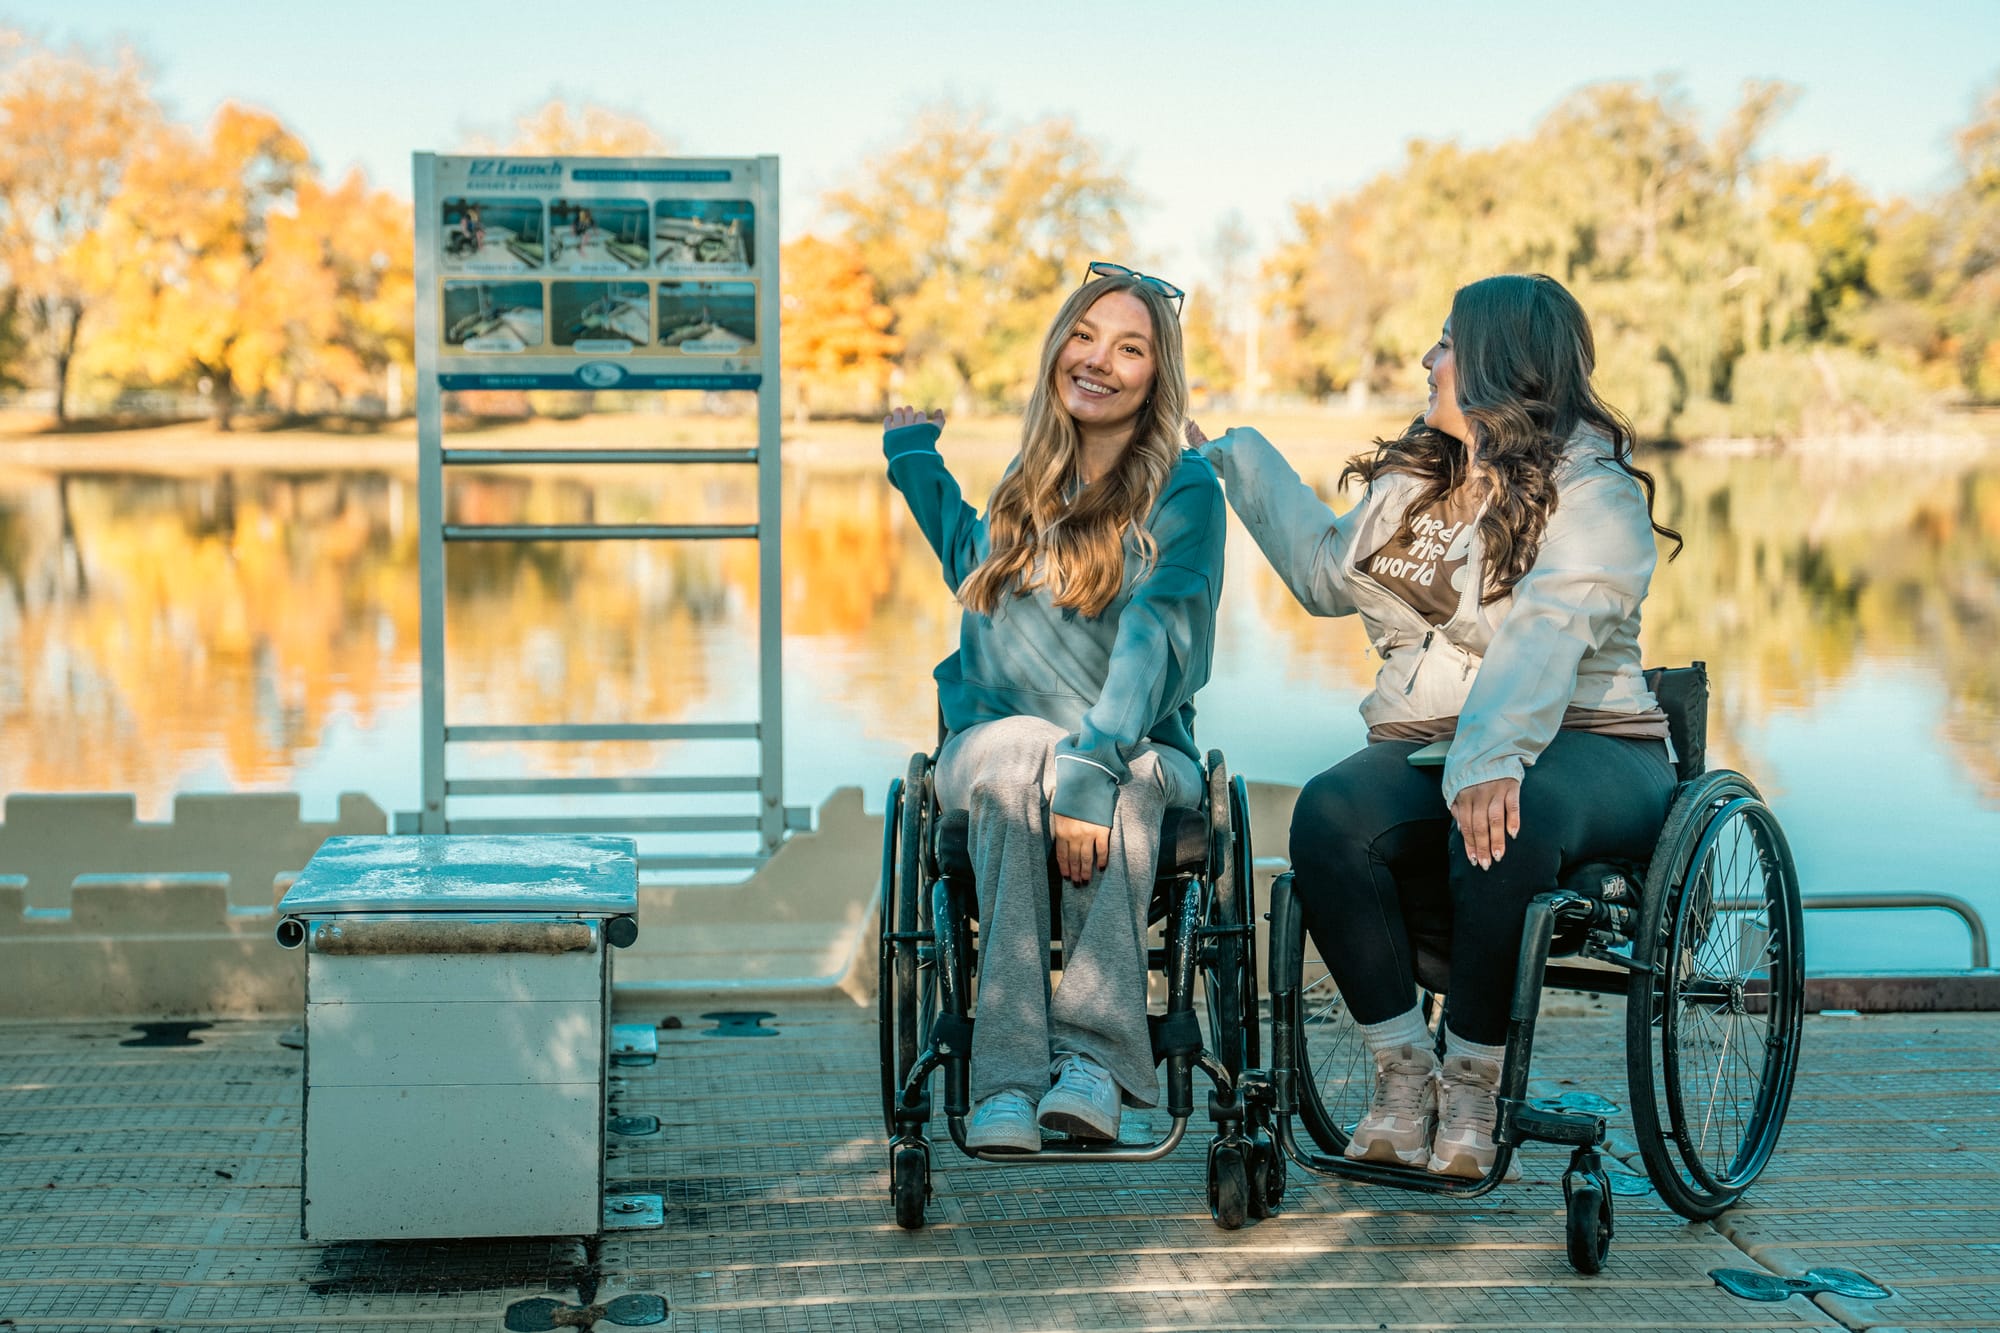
(1970,257)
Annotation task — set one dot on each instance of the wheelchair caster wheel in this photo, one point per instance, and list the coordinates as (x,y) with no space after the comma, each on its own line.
(1587,1217)
(910,1184)
(1228,1185)
(1267,1176)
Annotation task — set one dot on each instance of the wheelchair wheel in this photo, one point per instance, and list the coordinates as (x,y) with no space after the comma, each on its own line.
(910,1184)
(1335,1074)
(1229,953)
(906,991)
(1712,1043)
(1586,1221)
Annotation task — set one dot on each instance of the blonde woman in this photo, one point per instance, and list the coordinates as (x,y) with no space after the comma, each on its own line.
(1089,588)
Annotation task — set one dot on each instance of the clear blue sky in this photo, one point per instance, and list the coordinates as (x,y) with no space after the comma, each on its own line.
(1231,104)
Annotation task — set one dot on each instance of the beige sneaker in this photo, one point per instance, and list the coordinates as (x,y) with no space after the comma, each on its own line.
(1398,1125)
(1464,1144)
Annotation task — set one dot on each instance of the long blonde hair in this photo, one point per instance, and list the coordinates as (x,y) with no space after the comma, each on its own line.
(1039,534)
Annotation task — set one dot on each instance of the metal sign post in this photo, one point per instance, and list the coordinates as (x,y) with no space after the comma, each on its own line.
(649,274)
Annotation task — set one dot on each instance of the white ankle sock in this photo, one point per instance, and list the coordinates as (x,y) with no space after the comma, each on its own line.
(1457,1045)
(1405,1029)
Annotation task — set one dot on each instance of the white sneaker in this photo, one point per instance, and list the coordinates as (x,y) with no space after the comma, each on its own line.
(1004,1122)
(1403,1115)
(1464,1144)
(1084,1102)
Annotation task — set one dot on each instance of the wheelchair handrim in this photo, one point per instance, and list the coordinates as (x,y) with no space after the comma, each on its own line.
(1722,995)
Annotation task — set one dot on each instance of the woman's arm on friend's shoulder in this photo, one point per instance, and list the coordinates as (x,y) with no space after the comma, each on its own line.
(1297,531)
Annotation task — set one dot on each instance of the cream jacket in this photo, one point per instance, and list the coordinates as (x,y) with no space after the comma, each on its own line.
(1568,633)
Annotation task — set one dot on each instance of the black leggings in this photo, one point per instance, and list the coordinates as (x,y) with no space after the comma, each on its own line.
(1378,858)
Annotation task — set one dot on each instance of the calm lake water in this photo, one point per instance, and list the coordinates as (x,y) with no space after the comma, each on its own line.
(257,629)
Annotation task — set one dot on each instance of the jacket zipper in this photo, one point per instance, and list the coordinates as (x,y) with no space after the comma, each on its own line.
(1423,655)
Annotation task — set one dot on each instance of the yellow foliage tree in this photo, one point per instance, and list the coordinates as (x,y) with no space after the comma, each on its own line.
(217,275)
(972,230)
(366,260)
(835,327)
(68,130)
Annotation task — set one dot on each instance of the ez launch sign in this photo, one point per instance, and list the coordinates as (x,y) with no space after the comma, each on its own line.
(591,272)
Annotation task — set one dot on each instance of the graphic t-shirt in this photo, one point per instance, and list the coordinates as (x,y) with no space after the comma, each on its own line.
(1425,566)
(1427,569)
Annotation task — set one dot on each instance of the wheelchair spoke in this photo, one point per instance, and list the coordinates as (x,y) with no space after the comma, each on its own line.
(1334,1088)
(1724,990)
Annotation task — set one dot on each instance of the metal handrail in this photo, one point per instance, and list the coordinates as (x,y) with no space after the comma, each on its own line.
(1975,925)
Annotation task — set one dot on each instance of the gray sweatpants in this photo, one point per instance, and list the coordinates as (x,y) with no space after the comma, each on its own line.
(1003,773)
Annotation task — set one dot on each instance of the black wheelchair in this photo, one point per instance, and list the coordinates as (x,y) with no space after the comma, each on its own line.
(1705,941)
(1202,903)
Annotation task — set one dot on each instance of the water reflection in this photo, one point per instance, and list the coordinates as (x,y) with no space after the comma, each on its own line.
(258,629)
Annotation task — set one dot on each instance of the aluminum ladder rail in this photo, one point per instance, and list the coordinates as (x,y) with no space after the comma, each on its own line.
(773,819)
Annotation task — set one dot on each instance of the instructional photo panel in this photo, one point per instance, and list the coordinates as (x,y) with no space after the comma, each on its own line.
(599,316)
(493,316)
(708,318)
(491,235)
(705,235)
(599,235)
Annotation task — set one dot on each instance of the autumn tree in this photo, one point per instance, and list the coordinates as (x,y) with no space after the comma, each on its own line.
(69,127)
(835,326)
(217,275)
(972,229)
(365,281)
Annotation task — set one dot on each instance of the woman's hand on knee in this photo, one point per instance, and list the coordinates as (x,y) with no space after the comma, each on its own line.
(1488,813)
(905,415)
(1081,848)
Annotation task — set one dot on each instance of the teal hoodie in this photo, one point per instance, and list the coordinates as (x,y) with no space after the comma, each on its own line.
(1110,680)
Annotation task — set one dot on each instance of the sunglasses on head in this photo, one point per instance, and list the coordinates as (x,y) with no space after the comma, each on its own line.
(1105,269)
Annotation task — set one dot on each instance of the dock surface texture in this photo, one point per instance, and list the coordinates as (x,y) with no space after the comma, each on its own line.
(157,1187)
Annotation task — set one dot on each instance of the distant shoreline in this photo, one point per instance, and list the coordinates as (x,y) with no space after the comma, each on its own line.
(198,447)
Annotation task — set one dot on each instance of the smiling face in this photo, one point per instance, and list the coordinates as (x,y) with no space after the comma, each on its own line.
(1105,371)
(1443,412)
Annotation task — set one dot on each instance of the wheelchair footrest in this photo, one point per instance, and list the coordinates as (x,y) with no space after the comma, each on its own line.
(1519,1121)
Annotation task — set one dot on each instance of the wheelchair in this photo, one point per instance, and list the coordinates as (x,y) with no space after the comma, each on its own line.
(1705,942)
(929,961)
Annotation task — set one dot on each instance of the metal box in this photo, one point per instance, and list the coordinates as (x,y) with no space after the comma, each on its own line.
(457,1032)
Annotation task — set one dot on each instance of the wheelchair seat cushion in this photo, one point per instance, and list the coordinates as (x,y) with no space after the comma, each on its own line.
(1183,843)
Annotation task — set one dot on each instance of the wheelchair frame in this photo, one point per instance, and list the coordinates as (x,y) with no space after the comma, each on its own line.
(1599,911)
(927,962)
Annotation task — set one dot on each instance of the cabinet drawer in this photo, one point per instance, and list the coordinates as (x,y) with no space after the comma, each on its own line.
(468,1042)
(384,1163)
(507,976)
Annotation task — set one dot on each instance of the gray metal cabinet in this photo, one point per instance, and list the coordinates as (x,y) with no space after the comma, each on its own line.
(457,1032)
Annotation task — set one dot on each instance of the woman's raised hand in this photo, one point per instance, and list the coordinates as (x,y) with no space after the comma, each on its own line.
(905,415)
(1195,436)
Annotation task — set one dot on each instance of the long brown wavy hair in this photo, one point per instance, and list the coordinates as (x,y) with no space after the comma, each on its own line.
(1523,354)
(1045,531)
